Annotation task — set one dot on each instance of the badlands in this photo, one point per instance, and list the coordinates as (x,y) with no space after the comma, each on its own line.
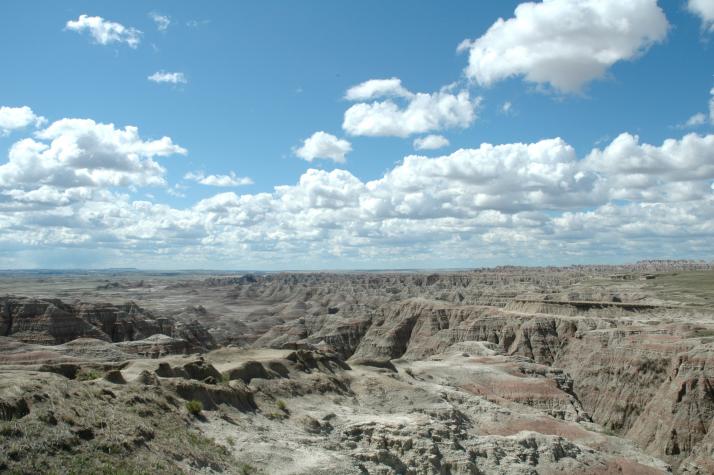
(509,370)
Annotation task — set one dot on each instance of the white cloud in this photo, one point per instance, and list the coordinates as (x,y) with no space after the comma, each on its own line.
(324,145)
(705,10)
(162,21)
(104,31)
(430,142)
(165,77)
(695,121)
(197,23)
(677,170)
(375,88)
(83,153)
(13,118)
(421,113)
(515,202)
(176,191)
(507,178)
(506,107)
(564,43)
(218,180)
(660,226)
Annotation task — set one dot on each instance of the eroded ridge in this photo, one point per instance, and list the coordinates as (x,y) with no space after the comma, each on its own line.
(588,369)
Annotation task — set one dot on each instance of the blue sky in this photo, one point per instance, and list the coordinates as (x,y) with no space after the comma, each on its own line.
(260,78)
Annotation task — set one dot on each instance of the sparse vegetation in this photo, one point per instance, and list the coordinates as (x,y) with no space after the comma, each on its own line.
(194,407)
(247,469)
(276,415)
(280,404)
(102,438)
(693,288)
(702,333)
(88,374)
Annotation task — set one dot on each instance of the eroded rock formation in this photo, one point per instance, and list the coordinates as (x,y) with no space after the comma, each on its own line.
(557,370)
(53,322)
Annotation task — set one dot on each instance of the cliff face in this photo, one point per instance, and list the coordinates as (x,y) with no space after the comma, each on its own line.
(678,418)
(653,386)
(615,374)
(45,322)
(649,383)
(53,322)
(420,328)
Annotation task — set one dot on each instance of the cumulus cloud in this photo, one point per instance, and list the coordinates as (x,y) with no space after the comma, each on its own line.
(170,78)
(415,113)
(677,170)
(507,178)
(104,31)
(624,229)
(375,88)
(705,10)
(430,142)
(695,121)
(218,180)
(564,44)
(325,146)
(13,118)
(82,153)
(162,21)
(535,200)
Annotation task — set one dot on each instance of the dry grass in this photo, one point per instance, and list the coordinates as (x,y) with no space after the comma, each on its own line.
(691,288)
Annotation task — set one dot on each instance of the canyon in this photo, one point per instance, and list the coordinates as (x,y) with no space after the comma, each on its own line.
(509,370)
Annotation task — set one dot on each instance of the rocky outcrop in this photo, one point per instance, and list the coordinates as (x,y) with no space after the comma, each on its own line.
(684,405)
(606,306)
(155,346)
(342,335)
(44,322)
(532,452)
(53,322)
(417,329)
(617,373)
(250,370)
(197,370)
(650,384)
(653,387)
(211,396)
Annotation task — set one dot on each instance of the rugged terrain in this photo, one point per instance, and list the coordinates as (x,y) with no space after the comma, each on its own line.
(584,369)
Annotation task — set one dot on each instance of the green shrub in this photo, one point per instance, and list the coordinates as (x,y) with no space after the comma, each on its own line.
(281,405)
(276,416)
(88,374)
(247,469)
(194,407)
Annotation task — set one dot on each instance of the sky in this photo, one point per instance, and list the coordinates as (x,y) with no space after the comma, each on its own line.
(355,135)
